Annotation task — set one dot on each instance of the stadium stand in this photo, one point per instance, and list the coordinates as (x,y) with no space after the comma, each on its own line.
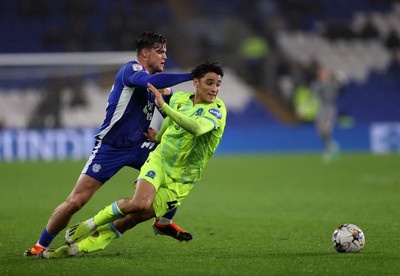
(364,57)
(333,33)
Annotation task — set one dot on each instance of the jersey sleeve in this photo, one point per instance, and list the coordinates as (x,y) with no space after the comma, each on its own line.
(165,124)
(136,75)
(196,127)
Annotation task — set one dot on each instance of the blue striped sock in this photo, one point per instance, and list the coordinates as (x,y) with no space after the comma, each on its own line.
(170,214)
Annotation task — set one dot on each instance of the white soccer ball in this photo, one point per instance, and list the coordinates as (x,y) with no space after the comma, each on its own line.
(348,238)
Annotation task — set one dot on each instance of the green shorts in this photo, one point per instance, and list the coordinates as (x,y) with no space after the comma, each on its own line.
(170,193)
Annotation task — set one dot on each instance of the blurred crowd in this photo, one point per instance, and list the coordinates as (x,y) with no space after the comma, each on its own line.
(240,34)
(196,29)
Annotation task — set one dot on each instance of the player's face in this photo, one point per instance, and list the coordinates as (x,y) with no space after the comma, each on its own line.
(207,88)
(156,58)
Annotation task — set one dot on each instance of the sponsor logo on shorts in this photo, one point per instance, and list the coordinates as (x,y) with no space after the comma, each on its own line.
(216,113)
(151,174)
(148,145)
(96,168)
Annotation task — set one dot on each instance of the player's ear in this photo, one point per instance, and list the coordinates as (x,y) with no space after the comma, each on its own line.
(196,83)
(145,52)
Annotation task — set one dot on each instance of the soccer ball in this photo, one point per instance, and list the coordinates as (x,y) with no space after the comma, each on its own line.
(348,238)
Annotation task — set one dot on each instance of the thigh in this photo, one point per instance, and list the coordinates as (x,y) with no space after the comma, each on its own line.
(169,193)
(326,120)
(170,196)
(140,153)
(153,170)
(84,189)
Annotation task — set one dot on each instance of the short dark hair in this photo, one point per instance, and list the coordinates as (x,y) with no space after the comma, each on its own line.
(200,70)
(149,40)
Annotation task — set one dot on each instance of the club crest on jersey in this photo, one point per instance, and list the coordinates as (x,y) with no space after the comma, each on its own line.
(137,67)
(199,111)
(96,168)
(216,113)
(151,174)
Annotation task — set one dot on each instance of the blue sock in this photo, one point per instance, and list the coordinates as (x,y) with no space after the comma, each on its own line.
(46,238)
(170,214)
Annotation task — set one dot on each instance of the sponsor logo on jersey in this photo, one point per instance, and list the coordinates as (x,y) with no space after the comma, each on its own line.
(151,174)
(149,110)
(137,67)
(148,145)
(199,111)
(96,168)
(216,113)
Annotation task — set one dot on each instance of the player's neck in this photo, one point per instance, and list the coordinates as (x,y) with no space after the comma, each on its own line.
(145,65)
(197,100)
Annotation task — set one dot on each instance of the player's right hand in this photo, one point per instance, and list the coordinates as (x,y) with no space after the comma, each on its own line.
(157,94)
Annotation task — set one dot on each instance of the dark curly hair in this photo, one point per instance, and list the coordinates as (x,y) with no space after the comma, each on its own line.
(149,40)
(200,70)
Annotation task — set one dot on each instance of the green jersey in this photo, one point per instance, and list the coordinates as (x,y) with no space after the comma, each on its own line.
(183,154)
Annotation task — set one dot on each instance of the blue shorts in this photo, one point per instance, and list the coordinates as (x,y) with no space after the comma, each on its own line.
(105,160)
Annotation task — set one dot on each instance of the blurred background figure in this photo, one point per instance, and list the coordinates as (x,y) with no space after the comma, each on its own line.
(254,52)
(326,89)
(47,113)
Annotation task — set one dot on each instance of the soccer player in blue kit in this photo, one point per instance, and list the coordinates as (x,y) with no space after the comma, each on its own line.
(122,139)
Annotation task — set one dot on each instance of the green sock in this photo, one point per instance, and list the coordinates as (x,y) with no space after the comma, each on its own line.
(108,214)
(106,234)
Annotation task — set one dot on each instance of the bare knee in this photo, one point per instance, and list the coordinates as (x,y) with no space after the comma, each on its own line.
(136,206)
(73,204)
(142,200)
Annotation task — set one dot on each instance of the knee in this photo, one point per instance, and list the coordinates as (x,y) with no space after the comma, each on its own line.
(74,204)
(138,206)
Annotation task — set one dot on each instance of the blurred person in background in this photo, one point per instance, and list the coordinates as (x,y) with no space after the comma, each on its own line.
(326,89)
(47,113)
(254,52)
(124,139)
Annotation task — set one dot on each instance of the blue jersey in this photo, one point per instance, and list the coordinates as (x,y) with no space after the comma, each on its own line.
(130,106)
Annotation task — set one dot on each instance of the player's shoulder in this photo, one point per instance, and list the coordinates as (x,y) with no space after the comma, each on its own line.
(217,109)
(179,98)
(182,95)
(134,66)
(219,104)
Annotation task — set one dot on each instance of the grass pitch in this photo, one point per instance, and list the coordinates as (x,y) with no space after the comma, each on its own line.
(250,215)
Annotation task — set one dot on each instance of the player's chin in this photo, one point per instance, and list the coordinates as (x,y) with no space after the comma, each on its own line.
(211,99)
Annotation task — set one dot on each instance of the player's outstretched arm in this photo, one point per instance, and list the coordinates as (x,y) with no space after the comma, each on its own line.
(161,80)
(195,127)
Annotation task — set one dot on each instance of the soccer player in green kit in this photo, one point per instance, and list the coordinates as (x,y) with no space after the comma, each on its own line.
(188,138)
